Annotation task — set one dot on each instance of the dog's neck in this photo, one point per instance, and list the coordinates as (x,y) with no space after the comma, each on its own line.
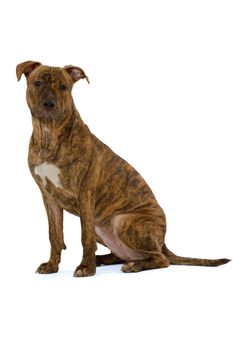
(48,135)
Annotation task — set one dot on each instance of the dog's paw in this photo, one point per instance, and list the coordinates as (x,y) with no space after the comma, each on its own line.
(131,267)
(47,268)
(84,271)
(99,260)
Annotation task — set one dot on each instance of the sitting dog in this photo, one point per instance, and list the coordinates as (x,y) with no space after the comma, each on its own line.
(77,172)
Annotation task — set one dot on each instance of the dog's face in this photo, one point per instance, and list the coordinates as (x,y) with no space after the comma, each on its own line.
(49,93)
(49,89)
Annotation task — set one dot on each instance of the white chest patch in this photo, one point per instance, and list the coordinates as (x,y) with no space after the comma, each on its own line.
(50,171)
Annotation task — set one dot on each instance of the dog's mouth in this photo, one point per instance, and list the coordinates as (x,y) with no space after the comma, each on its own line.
(46,115)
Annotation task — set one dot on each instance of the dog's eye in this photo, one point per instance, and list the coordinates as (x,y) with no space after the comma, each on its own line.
(37,83)
(63,87)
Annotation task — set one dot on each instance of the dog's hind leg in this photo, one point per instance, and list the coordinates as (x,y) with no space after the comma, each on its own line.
(108,259)
(158,261)
(144,236)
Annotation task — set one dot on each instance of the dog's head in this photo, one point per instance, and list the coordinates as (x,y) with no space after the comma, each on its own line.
(49,89)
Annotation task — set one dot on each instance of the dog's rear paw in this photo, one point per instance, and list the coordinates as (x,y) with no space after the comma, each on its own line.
(84,271)
(131,267)
(99,260)
(47,268)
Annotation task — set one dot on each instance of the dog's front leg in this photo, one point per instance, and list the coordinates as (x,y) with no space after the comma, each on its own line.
(55,220)
(88,263)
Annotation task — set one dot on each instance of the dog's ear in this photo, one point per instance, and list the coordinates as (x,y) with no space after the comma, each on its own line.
(76,73)
(26,68)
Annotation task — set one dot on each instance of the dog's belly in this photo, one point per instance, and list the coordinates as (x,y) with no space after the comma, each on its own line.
(109,237)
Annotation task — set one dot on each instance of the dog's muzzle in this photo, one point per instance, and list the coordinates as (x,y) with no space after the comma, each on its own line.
(49,105)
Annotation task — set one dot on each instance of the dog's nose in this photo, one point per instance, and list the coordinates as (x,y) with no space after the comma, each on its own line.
(49,104)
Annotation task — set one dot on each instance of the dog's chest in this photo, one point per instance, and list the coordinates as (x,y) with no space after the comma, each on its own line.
(52,181)
(49,171)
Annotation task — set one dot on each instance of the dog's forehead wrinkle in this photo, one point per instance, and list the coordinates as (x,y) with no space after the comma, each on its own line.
(52,74)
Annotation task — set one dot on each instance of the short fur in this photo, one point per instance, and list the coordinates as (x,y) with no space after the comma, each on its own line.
(76,172)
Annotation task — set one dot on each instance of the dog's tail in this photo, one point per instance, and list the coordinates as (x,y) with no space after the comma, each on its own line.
(179,260)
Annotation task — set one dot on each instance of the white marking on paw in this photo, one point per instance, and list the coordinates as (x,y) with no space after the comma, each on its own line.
(50,171)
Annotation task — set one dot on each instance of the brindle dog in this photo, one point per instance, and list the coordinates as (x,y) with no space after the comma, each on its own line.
(77,172)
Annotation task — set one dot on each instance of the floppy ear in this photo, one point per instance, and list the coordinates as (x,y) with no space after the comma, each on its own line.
(76,73)
(26,68)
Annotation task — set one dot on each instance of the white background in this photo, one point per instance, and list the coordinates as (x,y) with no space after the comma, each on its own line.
(161,95)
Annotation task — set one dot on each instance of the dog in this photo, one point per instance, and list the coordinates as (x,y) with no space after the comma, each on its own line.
(78,173)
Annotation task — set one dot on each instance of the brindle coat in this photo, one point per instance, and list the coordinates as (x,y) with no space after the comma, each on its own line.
(77,172)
